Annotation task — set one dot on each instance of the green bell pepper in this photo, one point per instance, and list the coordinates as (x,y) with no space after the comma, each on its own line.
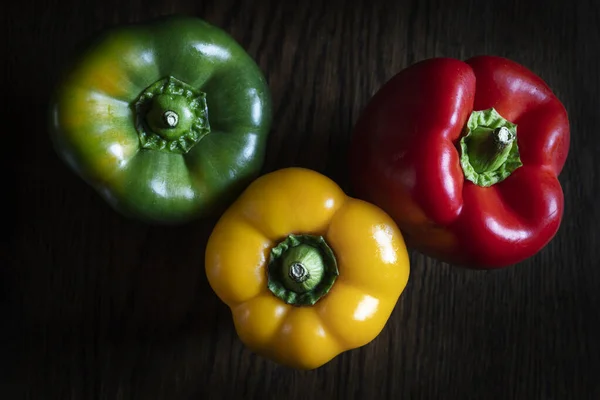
(167,120)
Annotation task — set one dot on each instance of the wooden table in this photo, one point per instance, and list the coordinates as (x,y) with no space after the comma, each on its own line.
(97,306)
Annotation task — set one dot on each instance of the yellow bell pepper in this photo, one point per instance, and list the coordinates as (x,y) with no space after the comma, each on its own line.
(307,271)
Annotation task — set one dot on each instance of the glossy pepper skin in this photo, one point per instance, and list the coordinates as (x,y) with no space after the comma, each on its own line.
(372,262)
(168,119)
(405,157)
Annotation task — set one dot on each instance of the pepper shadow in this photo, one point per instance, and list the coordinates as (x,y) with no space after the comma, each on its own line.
(125,278)
(88,291)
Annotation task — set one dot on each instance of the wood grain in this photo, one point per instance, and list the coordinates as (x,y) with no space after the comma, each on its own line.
(99,307)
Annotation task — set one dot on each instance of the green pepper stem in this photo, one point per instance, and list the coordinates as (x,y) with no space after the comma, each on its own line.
(171,118)
(489,150)
(302,269)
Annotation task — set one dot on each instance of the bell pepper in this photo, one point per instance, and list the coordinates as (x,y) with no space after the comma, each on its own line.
(307,271)
(465,156)
(167,120)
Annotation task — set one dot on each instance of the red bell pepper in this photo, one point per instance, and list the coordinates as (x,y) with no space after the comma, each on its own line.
(465,157)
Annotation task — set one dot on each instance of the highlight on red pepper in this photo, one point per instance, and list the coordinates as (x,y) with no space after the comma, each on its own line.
(465,156)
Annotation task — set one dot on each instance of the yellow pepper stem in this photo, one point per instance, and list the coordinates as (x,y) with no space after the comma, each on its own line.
(304,266)
(302,269)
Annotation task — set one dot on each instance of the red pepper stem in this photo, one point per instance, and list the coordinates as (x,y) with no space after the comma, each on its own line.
(489,149)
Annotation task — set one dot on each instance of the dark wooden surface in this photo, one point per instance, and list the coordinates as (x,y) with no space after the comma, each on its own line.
(99,307)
